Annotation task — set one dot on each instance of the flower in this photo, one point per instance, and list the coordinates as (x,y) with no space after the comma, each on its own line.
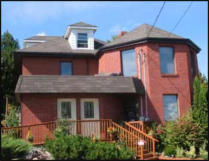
(111,130)
(3,122)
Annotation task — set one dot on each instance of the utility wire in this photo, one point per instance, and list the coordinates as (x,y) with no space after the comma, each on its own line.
(156,19)
(187,9)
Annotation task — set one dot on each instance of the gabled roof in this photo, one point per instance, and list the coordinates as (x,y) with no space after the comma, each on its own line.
(78,84)
(57,44)
(82,24)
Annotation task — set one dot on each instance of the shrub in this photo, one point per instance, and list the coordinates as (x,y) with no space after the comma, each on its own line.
(204,152)
(13,148)
(78,147)
(12,118)
(180,152)
(191,153)
(170,150)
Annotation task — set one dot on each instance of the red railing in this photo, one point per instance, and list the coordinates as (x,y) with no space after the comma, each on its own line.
(149,141)
(138,124)
(97,128)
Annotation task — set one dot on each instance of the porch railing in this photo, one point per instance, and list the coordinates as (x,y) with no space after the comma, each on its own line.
(138,124)
(97,128)
(149,141)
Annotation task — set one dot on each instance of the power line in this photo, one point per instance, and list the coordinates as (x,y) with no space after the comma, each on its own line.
(187,9)
(156,19)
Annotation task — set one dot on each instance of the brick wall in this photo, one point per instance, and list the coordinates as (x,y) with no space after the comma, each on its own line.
(51,66)
(156,84)
(38,108)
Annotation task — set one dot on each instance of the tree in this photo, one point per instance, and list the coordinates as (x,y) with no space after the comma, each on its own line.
(113,38)
(9,74)
(200,105)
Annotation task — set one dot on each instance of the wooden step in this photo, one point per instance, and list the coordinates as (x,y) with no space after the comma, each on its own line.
(151,158)
(148,155)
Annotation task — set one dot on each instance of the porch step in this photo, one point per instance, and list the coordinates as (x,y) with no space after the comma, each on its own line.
(151,158)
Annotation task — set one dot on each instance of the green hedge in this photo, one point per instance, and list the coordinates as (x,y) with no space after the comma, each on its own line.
(13,148)
(68,147)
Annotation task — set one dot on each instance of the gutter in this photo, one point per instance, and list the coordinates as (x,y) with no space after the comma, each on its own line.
(145,40)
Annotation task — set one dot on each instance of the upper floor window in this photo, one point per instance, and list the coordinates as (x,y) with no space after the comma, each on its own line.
(82,41)
(170,107)
(66,68)
(129,62)
(166,60)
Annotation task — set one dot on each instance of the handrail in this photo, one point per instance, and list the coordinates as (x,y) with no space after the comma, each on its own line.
(138,124)
(148,136)
(149,144)
(130,139)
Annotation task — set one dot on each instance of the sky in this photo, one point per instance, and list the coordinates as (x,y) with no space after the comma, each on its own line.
(26,19)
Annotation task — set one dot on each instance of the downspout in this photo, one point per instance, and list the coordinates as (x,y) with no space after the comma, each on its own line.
(141,105)
(146,118)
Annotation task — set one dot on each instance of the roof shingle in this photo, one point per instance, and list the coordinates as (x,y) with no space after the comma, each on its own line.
(78,84)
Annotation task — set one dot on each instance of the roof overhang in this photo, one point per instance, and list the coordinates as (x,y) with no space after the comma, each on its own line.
(78,84)
(151,40)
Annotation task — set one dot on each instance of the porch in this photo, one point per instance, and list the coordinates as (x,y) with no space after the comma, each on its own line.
(130,133)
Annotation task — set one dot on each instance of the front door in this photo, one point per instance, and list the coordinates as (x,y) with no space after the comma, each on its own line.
(90,111)
(67,110)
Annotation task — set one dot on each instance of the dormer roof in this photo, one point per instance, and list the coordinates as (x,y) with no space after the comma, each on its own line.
(82,24)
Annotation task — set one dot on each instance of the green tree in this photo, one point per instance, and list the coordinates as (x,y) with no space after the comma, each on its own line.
(113,38)
(9,74)
(200,105)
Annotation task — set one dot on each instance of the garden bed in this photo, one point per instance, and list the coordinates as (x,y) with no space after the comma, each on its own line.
(173,158)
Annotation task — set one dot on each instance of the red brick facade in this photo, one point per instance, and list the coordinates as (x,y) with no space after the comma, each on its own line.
(51,66)
(37,108)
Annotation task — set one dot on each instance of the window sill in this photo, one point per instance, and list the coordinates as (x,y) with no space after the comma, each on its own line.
(169,75)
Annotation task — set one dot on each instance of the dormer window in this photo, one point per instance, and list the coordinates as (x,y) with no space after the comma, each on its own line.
(82,41)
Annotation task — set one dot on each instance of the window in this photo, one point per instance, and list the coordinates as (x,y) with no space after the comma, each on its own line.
(82,41)
(88,109)
(65,110)
(129,62)
(166,60)
(170,107)
(66,68)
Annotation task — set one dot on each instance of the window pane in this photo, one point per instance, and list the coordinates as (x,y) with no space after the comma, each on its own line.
(88,109)
(170,107)
(129,62)
(66,68)
(166,60)
(82,41)
(66,110)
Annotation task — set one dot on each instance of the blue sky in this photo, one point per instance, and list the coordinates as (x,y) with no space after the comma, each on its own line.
(26,19)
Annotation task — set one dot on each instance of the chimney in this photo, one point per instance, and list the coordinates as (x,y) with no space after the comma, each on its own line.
(122,33)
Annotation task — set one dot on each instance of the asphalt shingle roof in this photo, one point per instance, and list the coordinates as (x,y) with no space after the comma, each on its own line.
(57,44)
(78,84)
(82,24)
(142,32)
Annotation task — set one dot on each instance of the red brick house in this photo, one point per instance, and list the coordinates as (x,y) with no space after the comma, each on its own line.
(141,75)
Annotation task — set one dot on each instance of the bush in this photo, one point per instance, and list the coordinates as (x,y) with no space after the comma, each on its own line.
(170,150)
(77,147)
(180,153)
(204,152)
(191,153)
(13,148)
(12,118)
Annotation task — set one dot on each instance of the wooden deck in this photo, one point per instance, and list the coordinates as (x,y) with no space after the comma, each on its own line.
(131,133)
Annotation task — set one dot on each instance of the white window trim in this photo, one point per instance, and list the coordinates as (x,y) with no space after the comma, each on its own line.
(77,40)
(96,108)
(73,107)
